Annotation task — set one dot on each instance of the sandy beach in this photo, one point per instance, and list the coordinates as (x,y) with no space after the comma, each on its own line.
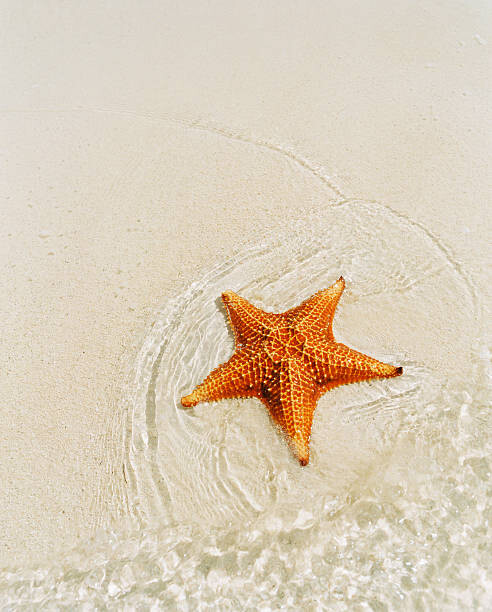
(144,142)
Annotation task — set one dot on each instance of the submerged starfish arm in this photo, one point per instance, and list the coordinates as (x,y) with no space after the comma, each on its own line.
(333,362)
(238,377)
(291,400)
(316,313)
(248,322)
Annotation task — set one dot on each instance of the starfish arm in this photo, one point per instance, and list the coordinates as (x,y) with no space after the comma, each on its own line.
(334,362)
(248,322)
(238,377)
(291,400)
(316,313)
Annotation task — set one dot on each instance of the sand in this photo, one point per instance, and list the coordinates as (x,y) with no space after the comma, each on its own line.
(143,141)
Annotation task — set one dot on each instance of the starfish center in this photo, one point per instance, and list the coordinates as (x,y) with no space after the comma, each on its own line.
(284,343)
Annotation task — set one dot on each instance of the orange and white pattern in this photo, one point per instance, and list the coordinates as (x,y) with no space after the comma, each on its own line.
(288,361)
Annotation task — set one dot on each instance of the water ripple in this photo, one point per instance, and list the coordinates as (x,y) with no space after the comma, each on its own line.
(391,513)
(226,458)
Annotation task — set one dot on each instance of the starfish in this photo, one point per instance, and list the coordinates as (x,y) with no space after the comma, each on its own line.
(288,361)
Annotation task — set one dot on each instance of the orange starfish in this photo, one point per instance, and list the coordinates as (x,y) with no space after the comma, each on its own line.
(288,361)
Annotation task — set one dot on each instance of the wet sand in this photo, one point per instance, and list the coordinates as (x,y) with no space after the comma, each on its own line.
(141,143)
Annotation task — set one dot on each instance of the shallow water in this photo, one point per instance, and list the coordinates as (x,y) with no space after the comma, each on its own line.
(393,510)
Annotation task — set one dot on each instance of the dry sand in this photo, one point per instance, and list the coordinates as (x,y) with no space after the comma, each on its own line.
(142,140)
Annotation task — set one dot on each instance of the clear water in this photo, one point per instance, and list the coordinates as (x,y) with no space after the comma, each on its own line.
(393,510)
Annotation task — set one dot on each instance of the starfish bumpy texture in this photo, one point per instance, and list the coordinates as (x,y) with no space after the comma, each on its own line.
(287,361)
